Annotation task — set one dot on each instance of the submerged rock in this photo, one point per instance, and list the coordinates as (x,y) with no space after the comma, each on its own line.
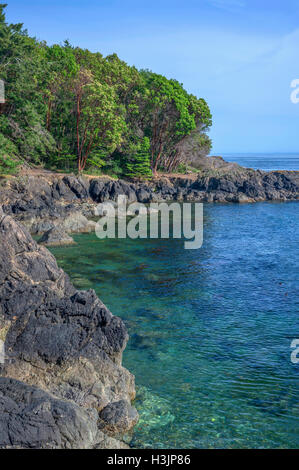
(59,340)
(154,410)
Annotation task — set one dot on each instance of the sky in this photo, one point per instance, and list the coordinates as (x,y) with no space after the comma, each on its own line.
(240,55)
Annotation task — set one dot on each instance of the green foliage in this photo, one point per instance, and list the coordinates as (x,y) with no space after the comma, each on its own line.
(138,163)
(114,168)
(101,121)
(8,159)
(68,108)
(170,115)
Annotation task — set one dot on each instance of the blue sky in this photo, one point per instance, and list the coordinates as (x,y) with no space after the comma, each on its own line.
(240,55)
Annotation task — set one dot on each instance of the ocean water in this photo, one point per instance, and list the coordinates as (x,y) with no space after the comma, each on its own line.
(210,329)
(265,161)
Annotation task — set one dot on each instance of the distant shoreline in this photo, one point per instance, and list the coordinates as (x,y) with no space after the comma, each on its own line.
(267,161)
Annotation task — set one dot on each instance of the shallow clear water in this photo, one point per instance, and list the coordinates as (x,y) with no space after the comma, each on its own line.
(210,329)
(265,161)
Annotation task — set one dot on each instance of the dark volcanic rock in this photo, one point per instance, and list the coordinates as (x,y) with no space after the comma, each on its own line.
(241,185)
(63,341)
(144,195)
(78,186)
(33,419)
(117,416)
(62,191)
(102,190)
(42,203)
(96,188)
(31,195)
(36,202)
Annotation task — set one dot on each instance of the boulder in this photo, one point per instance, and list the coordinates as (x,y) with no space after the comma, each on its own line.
(116,417)
(143,195)
(96,188)
(60,190)
(79,186)
(76,222)
(56,237)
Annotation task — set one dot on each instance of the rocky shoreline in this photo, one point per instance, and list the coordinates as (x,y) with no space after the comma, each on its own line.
(62,384)
(67,204)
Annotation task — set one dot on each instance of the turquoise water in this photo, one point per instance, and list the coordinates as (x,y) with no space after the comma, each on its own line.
(265,161)
(210,329)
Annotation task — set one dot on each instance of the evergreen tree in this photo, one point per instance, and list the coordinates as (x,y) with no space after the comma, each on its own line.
(139,164)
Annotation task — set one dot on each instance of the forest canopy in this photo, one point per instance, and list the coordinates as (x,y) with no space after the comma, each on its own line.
(70,109)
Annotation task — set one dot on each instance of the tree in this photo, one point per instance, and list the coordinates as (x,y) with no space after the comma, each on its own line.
(170,115)
(8,156)
(195,145)
(67,107)
(22,69)
(61,65)
(99,119)
(138,163)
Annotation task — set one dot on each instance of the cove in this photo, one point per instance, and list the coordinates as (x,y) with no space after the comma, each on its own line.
(210,329)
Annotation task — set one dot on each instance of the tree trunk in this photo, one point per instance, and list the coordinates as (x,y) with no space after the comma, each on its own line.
(78,135)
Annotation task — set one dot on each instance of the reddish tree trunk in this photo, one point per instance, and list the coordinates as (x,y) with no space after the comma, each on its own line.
(49,114)
(78,134)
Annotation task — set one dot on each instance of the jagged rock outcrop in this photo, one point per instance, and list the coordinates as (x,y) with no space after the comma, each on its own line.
(33,419)
(68,203)
(230,183)
(62,343)
(241,185)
